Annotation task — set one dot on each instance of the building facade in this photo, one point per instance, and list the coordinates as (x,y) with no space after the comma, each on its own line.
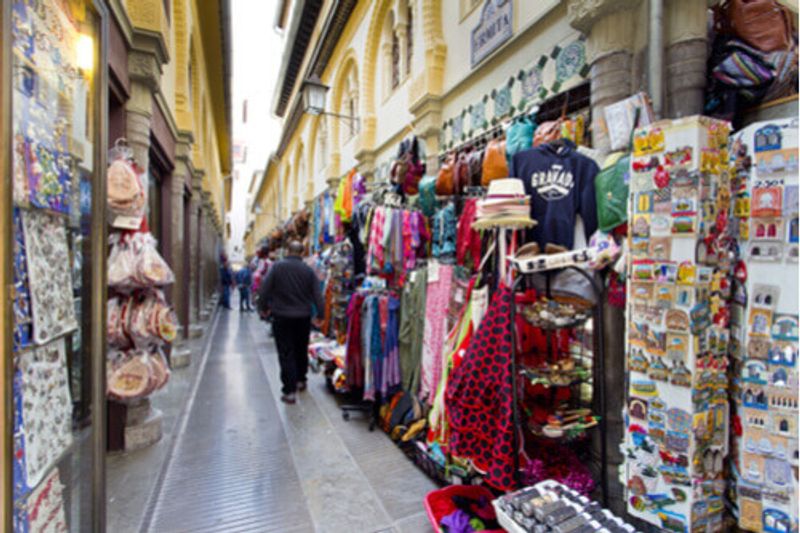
(169,97)
(448,71)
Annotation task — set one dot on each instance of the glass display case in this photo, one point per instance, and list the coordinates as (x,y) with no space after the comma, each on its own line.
(53,248)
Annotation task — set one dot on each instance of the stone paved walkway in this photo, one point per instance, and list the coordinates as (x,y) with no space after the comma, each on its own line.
(240,460)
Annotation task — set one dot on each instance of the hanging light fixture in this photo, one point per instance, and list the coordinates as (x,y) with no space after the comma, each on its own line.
(313,92)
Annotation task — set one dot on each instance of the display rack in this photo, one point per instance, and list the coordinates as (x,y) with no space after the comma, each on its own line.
(525,280)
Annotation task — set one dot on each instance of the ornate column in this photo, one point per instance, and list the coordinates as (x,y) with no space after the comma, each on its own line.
(685,56)
(145,74)
(195,253)
(427,113)
(610,26)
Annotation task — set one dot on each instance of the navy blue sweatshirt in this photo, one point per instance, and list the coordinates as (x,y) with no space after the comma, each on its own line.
(560,182)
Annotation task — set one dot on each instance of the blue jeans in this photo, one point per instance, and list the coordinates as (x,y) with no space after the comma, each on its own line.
(244,299)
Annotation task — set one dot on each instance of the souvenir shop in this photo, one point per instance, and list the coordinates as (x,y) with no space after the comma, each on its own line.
(89,323)
(54,256)
(463,313)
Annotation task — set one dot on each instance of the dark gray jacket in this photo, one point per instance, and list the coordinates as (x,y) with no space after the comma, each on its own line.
(291,290)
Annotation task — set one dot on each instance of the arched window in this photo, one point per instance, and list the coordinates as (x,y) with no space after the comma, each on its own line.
(410,38)
(395,61)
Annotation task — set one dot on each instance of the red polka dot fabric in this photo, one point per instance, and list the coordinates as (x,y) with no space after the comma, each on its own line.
(479,397)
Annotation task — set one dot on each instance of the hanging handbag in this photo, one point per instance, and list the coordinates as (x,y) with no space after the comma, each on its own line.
(475,161)
(519,137)
(494,162)
(763,24)
(461,173)
(611,187)
(445,180)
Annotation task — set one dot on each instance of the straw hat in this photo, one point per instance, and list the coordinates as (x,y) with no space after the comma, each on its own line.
(505,206)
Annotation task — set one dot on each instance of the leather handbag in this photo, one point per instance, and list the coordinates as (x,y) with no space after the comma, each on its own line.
(494,162)
(548,132)
(445,180)
(475,167)
(763,24)
(461,173)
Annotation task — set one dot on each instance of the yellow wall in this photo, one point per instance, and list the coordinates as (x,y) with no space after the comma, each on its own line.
(191,83)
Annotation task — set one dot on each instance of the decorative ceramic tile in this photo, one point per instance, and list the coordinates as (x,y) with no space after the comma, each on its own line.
(502,101)
(570,61)
(46,408)
(50,275)
(477,116)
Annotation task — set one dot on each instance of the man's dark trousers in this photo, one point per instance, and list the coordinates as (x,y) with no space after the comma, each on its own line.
(291,338)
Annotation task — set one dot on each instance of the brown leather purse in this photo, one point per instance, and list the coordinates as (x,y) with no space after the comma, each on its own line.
(445,181)
(494,162)
(763,24)
(461,173)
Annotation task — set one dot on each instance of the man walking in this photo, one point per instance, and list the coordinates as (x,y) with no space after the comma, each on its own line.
(244,278)
(291,293)
(226,280)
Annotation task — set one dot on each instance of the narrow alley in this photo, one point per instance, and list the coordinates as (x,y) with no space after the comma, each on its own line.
(244,461)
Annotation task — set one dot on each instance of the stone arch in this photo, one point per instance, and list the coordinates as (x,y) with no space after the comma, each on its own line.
(434,49)
(348,71)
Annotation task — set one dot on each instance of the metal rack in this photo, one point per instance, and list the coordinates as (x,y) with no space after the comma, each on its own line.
(598,365)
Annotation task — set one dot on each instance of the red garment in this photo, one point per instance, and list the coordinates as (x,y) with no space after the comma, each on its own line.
(479,397)
(354,364)
(468,241)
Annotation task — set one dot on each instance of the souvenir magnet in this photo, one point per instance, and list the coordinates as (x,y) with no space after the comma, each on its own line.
(644,202)
(785,328)
(755,371)
(641,226)
(759,322)
(768,138)
(677,346)
(677,320)
(658,370)
(660,225)
(767,201)
(680,375)
(780,353)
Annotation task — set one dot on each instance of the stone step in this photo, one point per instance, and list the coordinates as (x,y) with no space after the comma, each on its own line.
(180,358)
(145,434)
(137,412)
